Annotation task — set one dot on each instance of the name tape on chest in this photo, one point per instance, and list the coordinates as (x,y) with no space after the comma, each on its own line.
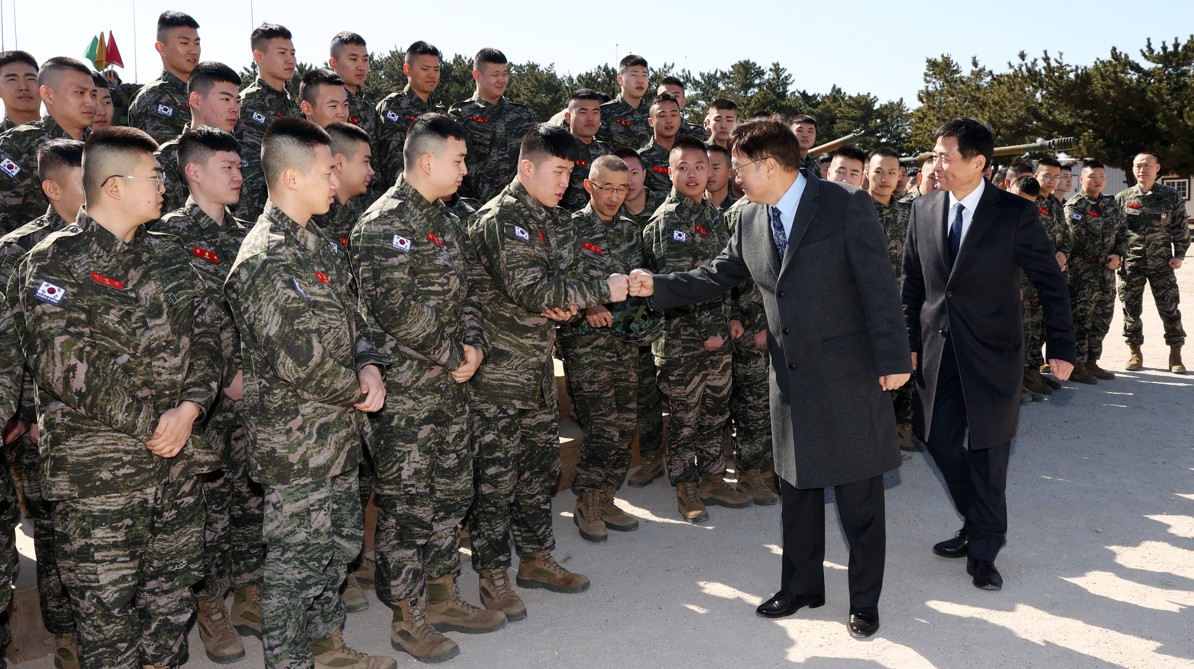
(623,122)
(107,281)
(400,243)
(48,292)
(209,256)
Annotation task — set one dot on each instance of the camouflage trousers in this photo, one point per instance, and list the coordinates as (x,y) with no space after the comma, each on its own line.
(1092,300)
(698,391)
(312,531)
(1165,293)
(1033,316)
(649,405)
(516,461)
(750,404)
(56,614)
(10,515)
(128,561)
(424,487)
(604,378)
(234,552)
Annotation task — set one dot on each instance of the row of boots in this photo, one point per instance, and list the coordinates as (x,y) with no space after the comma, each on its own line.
(1037,385)
(755,486)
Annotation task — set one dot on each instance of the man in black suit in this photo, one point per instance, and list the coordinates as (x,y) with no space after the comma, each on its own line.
(818,254)
(966,247)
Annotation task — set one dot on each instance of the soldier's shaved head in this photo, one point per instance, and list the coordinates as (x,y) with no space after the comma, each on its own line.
(549,141)
(606,164)
(429,134)
(57,155)
(51,71)
(290,143)
(113,151)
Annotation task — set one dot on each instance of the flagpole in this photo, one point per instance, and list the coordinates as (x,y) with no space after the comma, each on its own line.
(16,40)
(2,48)
(136,72)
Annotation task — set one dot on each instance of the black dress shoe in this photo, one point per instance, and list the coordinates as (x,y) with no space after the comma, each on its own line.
(986,576)
(784,603)
(863,622)
(957,547)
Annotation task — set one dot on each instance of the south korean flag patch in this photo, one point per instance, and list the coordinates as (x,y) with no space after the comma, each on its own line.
(1077,217)
(259,118)
(400,244)
(9,167)
(522,233)
(392,116)
(48,292)
(679,236)
(166,110)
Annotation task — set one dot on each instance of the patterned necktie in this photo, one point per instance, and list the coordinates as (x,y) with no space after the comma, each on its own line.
(777,232)
(955,236)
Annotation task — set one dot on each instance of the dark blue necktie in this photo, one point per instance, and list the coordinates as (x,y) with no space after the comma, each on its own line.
(955,236)
(777,232)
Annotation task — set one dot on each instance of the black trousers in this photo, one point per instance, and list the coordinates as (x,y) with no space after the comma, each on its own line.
(860,506)
(976,478)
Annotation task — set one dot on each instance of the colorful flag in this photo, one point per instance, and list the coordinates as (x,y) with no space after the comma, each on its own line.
(92,48)
(113,53)
(101,54)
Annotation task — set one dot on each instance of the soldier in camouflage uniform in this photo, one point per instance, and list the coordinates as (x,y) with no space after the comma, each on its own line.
(624,119)
(59,169)
(263,102)
(311,373)
(69,96)
(213,98)
(583,118)
(1047,174)
(602,365)
(233,550)
(720,120)
(117,459)
(805,129)
(161,108)
(495,128)
(674,86)
(665,123)
(18,89)
(350,60)
(323,100)
(718,191)
(513,396)
(694,356)
(412,257)
(1099,237)
(398,111)
(353,153)
(1158,237)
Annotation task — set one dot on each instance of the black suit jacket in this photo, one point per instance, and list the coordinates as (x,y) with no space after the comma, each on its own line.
(978,306)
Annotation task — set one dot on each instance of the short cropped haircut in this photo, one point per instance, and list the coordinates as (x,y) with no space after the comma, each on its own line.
(428,134)
(421,48)
(1147,152)
(1028,185)
(673,81)
(722,104)
(208,74)
(346,138)
(1019,168)
(290,142)
(265,32)
(489,56)
(1048,161)
(631,60)
(17,56)
(100,81)
(851,152)
(627,153)
(1092,164)
(343,39)
(974,138)
(719,149)
(825,159)
(58,154)
(172,19)
(803,118)
(664,97)
(546,140)
(197,146)
(585,94)
(687,143)
(767,138)
(112,151)
(48,74)
(313,79)
(885,151)
(608,163)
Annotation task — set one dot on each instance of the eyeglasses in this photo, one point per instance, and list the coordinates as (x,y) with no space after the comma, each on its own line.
(611,190)
(736,171)
(160,177)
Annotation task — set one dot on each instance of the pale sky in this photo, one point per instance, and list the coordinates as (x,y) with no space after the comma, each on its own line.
(862,46)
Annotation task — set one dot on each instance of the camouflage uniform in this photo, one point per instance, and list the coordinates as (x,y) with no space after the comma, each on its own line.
(602,369)
(303,343)
(337,224)
(1054,220)
(143,338)
(411,260)
(682,235)
(513,395)
(122,99)
(162,108)
(810,163)
(362,112)
(177,191)
(692,130)
(260,105)
(1157,232)
(575,198)
(1098,230)
(495,133)
(655,164)
(648,400)
(623,125)
(395,114)
(726,204)
(21,199)
(233,549)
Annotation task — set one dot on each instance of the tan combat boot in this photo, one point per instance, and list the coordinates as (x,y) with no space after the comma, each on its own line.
(1175,360)
(651,469)
(498,595)
(220,641)
(769,475)
(353,595)
(615,518)
(1135,359)
(540,570)
(688,498)
(715,490)
(1092,366)
(448,612)
(588,517)
(333,653)
(66,651)
(246,610)
(365,571)
(412,634)
(750,482)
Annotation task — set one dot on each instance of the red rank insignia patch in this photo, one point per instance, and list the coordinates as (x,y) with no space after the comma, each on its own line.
(186,106)
(412,117)
(702,231)
(661,169)
(480,119)
(590,246)
(323,278)
(354,120)
(623,122)
(435,240)
(206,255)
(1135,205)
(582,163)
(542,238)
(1092,213)
(344,242)
(1044,212)
(107,281)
